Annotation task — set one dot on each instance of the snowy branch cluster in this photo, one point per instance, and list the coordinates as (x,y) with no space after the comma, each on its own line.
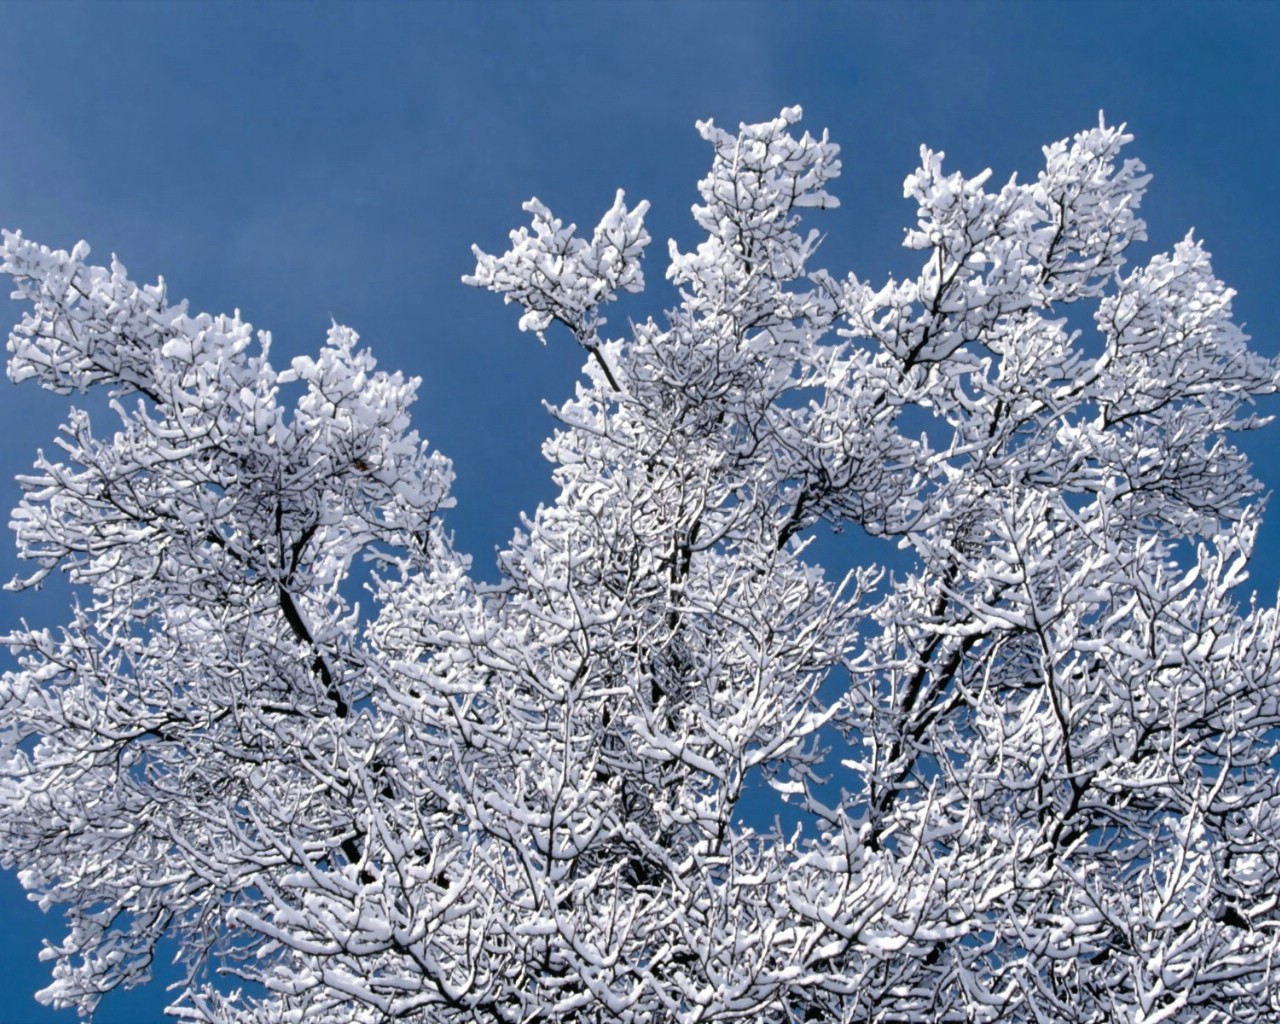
(1035,778)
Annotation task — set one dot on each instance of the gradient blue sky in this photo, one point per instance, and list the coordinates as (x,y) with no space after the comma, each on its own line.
(303,161)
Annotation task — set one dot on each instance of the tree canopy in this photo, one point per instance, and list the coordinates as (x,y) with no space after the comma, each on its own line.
(1031,778)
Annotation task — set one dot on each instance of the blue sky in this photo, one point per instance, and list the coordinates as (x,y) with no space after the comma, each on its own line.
(302,161)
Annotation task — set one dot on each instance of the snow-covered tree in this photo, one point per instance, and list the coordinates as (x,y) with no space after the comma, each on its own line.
(1033,778)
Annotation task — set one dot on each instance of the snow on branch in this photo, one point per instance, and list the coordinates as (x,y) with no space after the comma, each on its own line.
(670,769)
